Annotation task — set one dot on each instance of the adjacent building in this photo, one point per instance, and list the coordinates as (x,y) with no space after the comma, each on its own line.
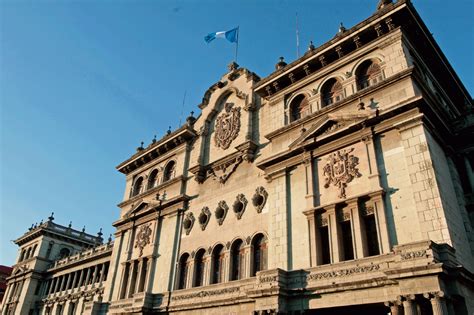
(340,183)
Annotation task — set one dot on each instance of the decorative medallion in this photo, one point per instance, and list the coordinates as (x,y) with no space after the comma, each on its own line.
(221,211)
(259,199)
(188,222)
(227,126)
(341,169)
(239,205)
(143,237)
(204,217)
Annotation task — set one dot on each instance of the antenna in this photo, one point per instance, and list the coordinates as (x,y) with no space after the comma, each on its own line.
(297,38)
(182,109)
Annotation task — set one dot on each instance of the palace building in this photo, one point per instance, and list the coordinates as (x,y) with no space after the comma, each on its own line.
(342,183)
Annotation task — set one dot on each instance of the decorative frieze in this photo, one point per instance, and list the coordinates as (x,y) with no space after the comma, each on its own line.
(413,255)
(342,272)
(205,293)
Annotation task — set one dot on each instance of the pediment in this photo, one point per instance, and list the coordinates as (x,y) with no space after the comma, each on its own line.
(137,207)
(327,126)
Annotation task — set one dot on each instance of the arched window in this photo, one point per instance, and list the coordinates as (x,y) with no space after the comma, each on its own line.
(137,186)
(28,253)
(331,92)
(34,250)
(217,267)
(152,179)
(237,260)
(368,73)
(299,107)
(64,252)
(183,271)
(22,255)
(259,254)
(169,171)
(199,268)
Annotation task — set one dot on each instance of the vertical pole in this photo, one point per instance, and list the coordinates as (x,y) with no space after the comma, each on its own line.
(297,38)
(237,44)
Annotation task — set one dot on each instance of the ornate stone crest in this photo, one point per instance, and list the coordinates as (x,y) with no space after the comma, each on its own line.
(341,169)
(143,237)
(227,126)
(239,205)
(204,217)
(221,211)
(188,222)
(259,198)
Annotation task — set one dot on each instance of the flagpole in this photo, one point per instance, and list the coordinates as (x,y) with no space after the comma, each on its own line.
(237,44)
(297,38)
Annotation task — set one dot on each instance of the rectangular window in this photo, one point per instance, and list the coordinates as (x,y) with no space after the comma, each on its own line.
(346,233)
(324,245)
(371,235)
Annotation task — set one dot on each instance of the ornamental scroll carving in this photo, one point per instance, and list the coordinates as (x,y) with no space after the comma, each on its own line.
(143,238)
(227,126)
(259,199)
(341,169)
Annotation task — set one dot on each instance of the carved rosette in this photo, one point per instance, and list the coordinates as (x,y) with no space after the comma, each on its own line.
(341,169)
(221,211)
(204,217)
(227,126)
(259,199)
(239,205)
(143,238)
(188,222)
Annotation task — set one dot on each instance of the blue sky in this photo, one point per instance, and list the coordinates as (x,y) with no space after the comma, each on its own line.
(82,83)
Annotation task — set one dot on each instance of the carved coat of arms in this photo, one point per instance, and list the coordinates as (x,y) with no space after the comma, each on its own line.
(227,126)
(341,169)
(143,238)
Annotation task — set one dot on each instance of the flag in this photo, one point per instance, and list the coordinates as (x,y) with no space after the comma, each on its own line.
(232,35)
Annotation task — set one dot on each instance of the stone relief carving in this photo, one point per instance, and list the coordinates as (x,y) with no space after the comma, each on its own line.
(239,205)
(221,211)
(188,222)
(342,272)
(227,126)
(206,293)
(143,238)
(223,171)
(204,217)
(341,169)
(259,199)
(413,255)
(334,127)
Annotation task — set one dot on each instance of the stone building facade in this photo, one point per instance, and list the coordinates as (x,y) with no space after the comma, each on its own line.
(341,183)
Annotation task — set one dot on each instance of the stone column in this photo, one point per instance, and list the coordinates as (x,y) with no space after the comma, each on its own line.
(88,276)
(69,279)
(395,307)
(469,172)
(333,234)
(357,230)
(248,261)
(102,273)
(381,222)
(308,164)
(313,246)
(80,278)
(438,302)
(409,305)
(56,285)
(207,269)
(139,275)
(94,275)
